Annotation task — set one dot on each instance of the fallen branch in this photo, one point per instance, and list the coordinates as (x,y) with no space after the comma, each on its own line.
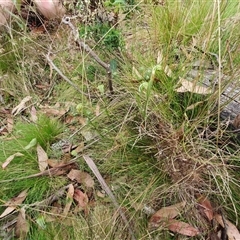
(55,171)
(83,45)
(105,187)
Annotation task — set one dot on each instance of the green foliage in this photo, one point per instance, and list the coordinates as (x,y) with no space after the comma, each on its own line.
(24,134)
(106,36)
(15,176)
(44,130)
(8,58)
(117,4)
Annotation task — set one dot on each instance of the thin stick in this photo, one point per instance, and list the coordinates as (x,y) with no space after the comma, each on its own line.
(62,75)
(105,187)
(83,45)
(50,172)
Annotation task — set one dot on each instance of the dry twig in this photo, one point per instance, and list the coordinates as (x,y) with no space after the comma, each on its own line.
(55,171)
(83,45)
(105,187)
(62,75)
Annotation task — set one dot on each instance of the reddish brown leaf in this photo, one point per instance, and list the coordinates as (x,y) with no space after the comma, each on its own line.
(166,213)
(232,231)
(81,198)
(13,203)
(42,158)
(206,207)
(182,228)
(22,227)
(81,177)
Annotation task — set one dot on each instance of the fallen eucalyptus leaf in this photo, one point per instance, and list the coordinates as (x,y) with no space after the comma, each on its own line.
(81,177)
(21,106)
(10,158)
(13,203)
(188,86)
(42,158)
(182,228)
(165,213)
(232,231)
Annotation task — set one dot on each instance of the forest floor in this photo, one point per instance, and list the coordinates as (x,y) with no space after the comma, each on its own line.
(105,134)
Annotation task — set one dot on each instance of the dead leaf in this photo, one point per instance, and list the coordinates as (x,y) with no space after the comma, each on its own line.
(188,86)
(81,177)
(9,124)
(21,106)
(42,158)
(54,163)
(159,58)
(44,86)
(182,228)
(55,171)
(13,203)
(232,231)
(101,194)
(165,214)
(33,114)
(7,211)
(97,110)
(81,198)
(10,158)
(168,71)
(207,207)
(22,227)
(69,200)
(17,200)
(56,110)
